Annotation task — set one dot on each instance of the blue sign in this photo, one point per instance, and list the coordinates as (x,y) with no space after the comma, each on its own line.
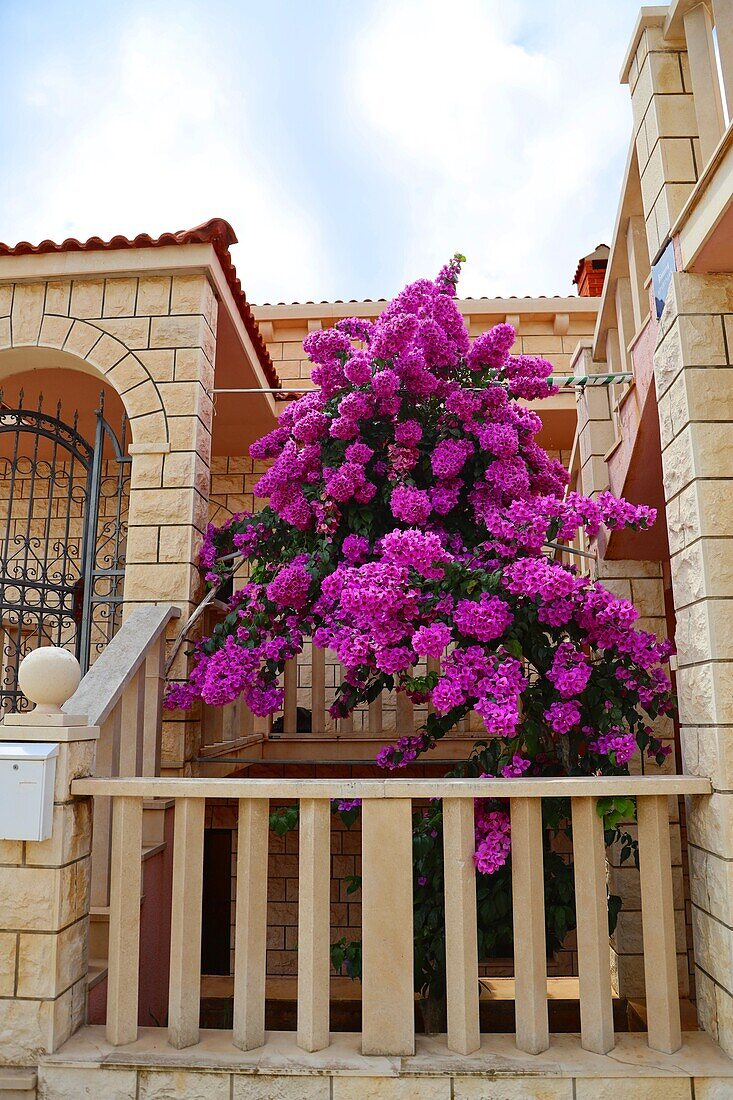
(662,273)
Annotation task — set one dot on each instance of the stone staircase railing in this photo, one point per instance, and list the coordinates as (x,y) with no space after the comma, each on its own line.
(122,694)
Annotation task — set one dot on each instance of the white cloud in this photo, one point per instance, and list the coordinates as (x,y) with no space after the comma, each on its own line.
(158,138)
(496,126)
(502,148)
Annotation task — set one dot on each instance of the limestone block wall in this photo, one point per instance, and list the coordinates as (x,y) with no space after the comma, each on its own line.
(556,342)
(672,111)
(233,479)
(694,378)
(152,338)
(44,907)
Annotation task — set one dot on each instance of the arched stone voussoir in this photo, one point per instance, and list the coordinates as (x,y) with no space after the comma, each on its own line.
(142,399)
(106,352)
(81,339)
(54,331)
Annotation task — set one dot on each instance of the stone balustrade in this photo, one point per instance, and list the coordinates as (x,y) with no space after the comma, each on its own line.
(387,933)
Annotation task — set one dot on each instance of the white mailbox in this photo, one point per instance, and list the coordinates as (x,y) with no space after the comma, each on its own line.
(27,774)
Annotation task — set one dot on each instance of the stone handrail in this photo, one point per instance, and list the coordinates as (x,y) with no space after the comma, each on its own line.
(102,688)
(602,786)
(387,910)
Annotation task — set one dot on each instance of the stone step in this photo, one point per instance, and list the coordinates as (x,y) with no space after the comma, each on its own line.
(87,1065)
(17,1083)
(96,972)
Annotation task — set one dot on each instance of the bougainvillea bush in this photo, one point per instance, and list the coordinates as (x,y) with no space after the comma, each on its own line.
(412,515)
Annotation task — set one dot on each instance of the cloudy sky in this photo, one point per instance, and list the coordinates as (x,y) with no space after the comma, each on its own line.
(352,144)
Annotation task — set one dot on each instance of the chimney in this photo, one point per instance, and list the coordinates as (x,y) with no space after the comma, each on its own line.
(591,272)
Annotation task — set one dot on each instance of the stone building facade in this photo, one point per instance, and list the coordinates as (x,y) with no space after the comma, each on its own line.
(163,327)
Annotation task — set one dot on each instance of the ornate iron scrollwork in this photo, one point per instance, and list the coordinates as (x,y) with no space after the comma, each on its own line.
(63,521)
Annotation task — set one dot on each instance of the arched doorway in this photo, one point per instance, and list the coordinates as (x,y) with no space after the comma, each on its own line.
(64,489)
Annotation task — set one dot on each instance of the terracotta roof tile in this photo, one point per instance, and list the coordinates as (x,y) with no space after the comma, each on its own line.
(216,232)
(380,301)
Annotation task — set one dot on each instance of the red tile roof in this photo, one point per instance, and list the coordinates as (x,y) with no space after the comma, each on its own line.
(216,232)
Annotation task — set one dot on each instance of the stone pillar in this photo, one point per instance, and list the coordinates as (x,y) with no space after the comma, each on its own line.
(642,583)
(596,432)
(698,24)
(170,482)
(44,885)
(694,379)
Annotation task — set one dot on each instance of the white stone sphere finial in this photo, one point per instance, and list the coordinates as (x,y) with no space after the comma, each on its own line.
(48,677)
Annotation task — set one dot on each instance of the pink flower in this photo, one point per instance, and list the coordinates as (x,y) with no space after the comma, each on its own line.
(355,549)
(430,641)
(410,505)
(493,840)
(486,619)
(358,369)
(570,670)
(517,768)
(408,432)
(561,717)
(621,746)
(346,804)
(449,457)
(291,585)
(491,348)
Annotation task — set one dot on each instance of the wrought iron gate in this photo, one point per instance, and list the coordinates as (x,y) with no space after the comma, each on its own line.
(63,521)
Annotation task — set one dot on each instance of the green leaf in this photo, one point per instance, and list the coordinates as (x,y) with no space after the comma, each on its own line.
(614,908)
(615,810)
(284,820)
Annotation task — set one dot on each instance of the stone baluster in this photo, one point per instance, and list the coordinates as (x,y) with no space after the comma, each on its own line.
(698,23)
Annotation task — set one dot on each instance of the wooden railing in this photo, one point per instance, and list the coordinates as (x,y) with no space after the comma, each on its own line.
(309,681)
(314,691)
(387,913)
(122,693)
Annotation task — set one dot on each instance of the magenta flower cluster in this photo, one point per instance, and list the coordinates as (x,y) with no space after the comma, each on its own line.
(412,517)
(493,838)
(622,746)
